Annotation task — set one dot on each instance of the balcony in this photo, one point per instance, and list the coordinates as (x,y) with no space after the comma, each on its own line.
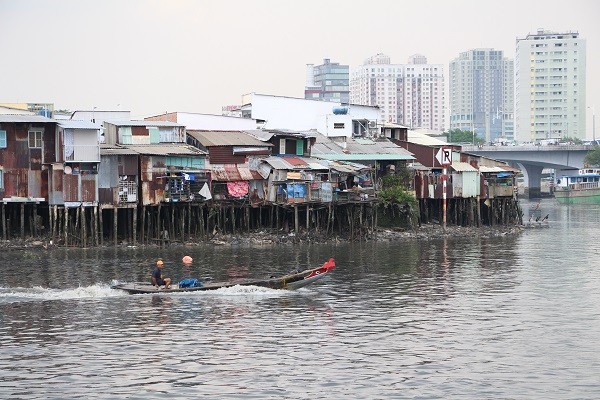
(82,153)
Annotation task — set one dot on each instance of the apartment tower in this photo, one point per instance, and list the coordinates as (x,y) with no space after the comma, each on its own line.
(481,94)
(409,94)
(550,86)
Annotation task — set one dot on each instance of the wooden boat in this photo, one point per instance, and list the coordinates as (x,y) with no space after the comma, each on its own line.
(293,280)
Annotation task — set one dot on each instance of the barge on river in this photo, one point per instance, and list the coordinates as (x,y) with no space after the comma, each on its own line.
(583,188)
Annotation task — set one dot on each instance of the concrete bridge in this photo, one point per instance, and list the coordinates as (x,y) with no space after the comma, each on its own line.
(531,160)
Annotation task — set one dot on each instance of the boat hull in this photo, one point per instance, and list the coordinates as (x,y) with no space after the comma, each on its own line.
(290,281)
(578,196)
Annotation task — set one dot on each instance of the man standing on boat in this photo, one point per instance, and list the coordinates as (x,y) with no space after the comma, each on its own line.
(158,279)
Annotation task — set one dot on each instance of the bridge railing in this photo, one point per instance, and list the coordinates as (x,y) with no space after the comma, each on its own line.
(558,147)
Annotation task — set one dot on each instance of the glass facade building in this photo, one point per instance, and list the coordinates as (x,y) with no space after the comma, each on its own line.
(328,82)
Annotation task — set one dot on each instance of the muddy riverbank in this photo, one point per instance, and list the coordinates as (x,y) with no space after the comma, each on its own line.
(266,237)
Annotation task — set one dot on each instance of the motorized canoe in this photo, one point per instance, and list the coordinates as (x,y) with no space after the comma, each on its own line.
(290,281)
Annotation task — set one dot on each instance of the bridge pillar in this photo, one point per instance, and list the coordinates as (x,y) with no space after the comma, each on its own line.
(533,179)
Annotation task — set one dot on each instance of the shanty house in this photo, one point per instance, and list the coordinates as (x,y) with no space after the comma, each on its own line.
(118,177)
(143,132)
(171,172)
(286,142)
(382,155)
(73,178)
(27,146)
(295,179)
(233,162)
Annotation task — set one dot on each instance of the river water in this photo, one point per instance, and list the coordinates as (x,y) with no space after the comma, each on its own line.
(458,318)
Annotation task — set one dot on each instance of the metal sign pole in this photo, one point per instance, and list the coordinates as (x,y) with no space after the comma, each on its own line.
(444,179)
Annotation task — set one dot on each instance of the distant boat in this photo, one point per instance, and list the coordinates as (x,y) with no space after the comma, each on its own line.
(583,188)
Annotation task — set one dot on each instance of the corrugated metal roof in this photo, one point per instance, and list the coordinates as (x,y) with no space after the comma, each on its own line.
(166,149)
(359,150)
(364,157)
(394,125)
(425,140)
(267,134)
(166,124)
(225,138)
(483,168)
(261,134)
(290,132)
(351,167)
(24,118)
(462,167)
(74,124)
(233,173)
(295,163)
(107,150)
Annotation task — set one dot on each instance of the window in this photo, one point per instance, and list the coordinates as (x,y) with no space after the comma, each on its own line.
(338,125)
(35,139)
(125,135)
(1,179)
(2,139)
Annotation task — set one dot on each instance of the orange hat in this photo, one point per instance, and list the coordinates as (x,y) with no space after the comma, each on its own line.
(187,259)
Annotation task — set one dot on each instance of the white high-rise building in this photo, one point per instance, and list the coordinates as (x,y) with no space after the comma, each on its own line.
(481,94)
(411,94)
(550,86)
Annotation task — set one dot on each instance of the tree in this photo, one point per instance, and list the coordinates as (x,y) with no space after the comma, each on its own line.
(460,136)
(573,140)
(593,157)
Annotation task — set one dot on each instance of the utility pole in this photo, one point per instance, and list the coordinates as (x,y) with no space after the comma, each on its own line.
(593,123)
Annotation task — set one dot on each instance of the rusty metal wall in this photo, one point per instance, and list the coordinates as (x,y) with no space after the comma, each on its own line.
(20,154)
(49,139)
(70,187)
(224,155)
(424,154)
(34,183)
(55,186)
(153,179)
(128,165)
(88,187)
(146,168)
(107,196)
(153,192)
(35,159)
(139,131)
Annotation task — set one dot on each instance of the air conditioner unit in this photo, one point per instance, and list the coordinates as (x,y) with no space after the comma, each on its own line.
(372,124)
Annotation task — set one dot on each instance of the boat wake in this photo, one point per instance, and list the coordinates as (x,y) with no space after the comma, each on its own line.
(37,293)
(100,291)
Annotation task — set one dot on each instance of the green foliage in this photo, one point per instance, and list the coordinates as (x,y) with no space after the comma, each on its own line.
(393,191)
(460,136)
(399,206)
(572,140)
(593,157)
(396,194)
(389,181)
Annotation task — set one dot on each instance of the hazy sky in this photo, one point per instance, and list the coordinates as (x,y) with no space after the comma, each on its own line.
(152,56)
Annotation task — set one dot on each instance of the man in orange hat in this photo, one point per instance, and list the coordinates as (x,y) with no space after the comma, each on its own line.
(158,279)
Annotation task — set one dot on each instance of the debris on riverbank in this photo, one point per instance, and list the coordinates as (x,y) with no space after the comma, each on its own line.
(266,237)
(424,232)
